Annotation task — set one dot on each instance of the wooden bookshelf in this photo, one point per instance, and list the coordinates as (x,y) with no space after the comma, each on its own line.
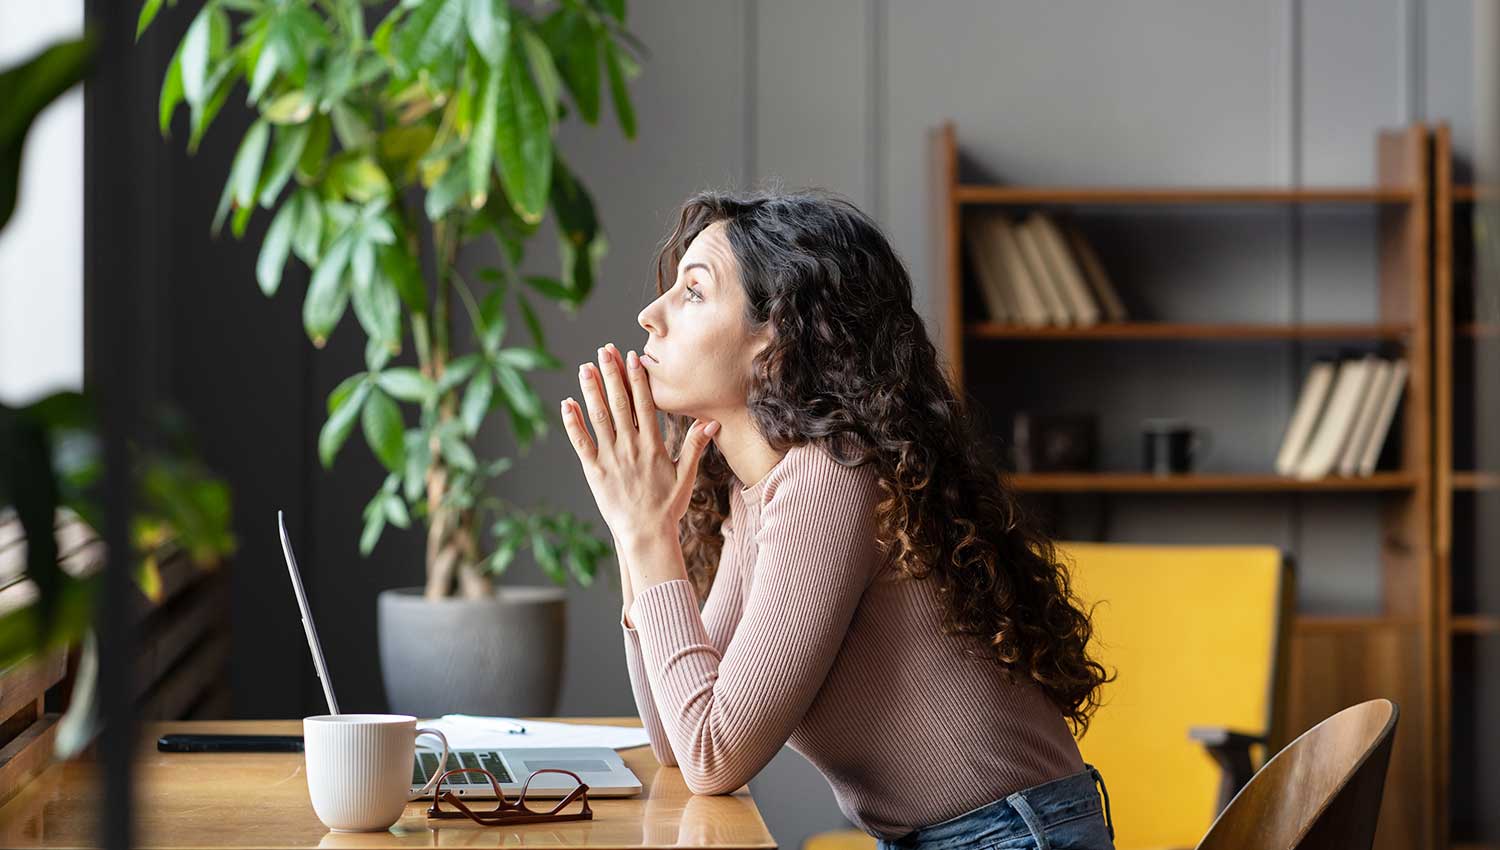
(1455,337)
(1474,624)
(1213,331)
(1468,479)
(1335,659)
(1114,196)
(1140,482)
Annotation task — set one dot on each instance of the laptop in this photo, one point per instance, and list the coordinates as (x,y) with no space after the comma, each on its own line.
(600,767)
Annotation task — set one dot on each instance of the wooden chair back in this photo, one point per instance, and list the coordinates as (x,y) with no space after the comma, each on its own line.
(1322,790)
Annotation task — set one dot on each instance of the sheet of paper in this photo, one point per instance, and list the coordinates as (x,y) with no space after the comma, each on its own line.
(467,731)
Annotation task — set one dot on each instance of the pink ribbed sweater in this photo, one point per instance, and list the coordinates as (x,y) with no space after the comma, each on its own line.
(805,641)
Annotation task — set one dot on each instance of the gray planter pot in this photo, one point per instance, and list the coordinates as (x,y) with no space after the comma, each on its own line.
(502,655)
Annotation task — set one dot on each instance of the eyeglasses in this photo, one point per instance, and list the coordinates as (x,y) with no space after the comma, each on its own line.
(505,811)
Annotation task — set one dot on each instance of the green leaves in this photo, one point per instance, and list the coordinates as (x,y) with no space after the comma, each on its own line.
(357,177)
(455,100)
(307,238)
(376,304)
(387,506)
(489,28)
(171,92)
(293,107)
(383,429)
(274,250)
(406,384)
(445,192)
(194,55)
(347,270)
(148,14)
(621,69)
(562,544)
(481,152)
(575,44)
(25,90)
(328,293)
(341,419)
(429,31)
(287,149)
(523,140)
(581,243)
(243,173)
(476,401)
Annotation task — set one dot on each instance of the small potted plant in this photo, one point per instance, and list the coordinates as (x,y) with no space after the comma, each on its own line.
(382,149)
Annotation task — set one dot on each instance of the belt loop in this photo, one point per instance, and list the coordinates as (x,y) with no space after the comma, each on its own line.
(1108,819)
(1018,802)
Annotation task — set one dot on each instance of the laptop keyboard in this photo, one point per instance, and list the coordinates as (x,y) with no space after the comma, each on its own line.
(426,765)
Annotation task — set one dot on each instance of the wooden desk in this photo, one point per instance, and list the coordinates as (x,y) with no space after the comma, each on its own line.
(251,800)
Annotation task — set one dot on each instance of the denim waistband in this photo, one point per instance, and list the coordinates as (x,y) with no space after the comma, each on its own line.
(1025,812)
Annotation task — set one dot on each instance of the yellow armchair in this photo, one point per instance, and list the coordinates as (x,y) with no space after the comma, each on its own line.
(1197,636)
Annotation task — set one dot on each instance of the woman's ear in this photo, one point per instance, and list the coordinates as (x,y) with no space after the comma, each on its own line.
(762,340)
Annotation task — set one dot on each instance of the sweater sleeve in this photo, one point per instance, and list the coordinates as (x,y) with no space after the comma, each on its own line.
(729,711)
(720,614)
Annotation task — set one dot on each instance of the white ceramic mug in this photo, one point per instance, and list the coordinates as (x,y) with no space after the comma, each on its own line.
(359,767)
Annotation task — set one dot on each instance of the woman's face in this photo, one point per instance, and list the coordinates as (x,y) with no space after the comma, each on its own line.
(699,346)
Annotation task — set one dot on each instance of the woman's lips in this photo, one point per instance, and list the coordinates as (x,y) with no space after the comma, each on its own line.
(649,360)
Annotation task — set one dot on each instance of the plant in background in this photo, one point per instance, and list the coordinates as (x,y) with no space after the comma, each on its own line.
(50,466)
(49,449)
(384,152)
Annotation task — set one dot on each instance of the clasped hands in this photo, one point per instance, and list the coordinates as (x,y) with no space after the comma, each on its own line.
(639,489)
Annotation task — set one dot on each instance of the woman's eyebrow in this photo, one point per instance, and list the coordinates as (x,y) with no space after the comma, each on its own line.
(703,266)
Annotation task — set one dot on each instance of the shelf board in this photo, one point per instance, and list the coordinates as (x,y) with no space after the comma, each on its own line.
(1187,331)
(1475,624)
(1479,329)
(1350,622)
(1468,479)
(1018,195)
(1140,482)
(1467,192)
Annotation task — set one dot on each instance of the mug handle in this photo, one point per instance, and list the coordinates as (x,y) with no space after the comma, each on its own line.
(442,762)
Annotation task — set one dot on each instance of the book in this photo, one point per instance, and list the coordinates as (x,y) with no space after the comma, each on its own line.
(1064,269)
(1049,290)
(984,261)
(1364,419)
(1093,271)
(1305,414)
(1395,386)
(1332,432)
(998,238)
(1026,300)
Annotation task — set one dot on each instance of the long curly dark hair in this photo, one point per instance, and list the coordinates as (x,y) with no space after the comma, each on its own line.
(851,368)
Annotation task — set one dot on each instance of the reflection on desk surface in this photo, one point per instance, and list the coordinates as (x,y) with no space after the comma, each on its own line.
(247,800)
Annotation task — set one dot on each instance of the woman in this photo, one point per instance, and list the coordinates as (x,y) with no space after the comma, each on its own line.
(875,597)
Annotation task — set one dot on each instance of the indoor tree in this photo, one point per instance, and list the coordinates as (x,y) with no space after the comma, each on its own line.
(387,138)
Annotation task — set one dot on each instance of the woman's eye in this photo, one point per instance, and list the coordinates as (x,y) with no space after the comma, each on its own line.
(693,294)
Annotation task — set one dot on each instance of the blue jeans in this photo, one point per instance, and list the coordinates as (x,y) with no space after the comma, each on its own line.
(1064,814)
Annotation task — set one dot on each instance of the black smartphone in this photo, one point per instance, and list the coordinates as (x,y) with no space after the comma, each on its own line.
(204,743)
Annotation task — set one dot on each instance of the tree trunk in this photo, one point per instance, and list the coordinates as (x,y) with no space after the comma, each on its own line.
(452,544)
(452,539)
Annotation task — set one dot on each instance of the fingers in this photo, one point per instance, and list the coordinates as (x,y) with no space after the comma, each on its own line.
(645,405)
(614,354)
(618,396)
(693,446)
(593,397)
(578,433)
